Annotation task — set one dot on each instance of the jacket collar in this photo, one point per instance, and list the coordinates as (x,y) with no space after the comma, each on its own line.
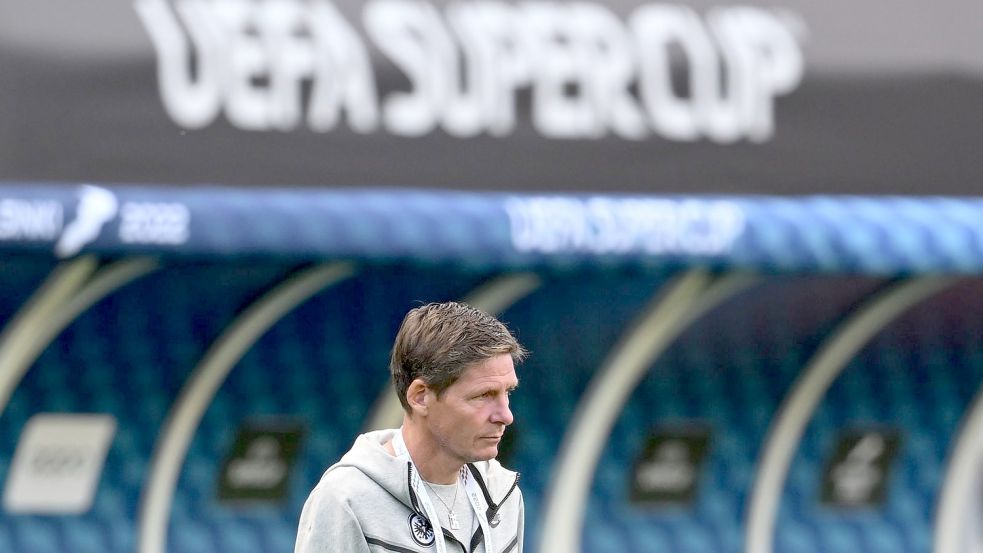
(393,475)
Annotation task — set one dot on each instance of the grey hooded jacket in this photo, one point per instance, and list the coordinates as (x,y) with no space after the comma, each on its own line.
(364,504)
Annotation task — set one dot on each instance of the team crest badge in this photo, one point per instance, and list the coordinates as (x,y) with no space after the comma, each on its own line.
(421,529)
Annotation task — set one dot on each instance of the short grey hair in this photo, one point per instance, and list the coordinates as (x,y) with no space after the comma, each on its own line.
(437,342)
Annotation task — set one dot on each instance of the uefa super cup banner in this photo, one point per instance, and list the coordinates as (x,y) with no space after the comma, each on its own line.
(589,73)
(595,96)
(499,230)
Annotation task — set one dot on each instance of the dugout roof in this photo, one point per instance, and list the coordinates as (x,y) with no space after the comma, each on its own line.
(500,231)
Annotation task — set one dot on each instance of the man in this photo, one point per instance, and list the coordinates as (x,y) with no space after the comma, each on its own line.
(453,368)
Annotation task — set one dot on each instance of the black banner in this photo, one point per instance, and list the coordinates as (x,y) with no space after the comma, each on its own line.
(668,469)
(857,473)
(258,467)
(535,96)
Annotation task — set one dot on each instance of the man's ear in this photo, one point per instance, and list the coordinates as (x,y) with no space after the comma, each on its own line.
(417,397)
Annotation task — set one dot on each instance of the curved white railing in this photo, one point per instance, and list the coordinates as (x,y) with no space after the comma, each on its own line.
(790,422)
(72,288)
(201,387)
(957,515)
(666,316)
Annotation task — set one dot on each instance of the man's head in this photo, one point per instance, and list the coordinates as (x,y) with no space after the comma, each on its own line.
(437,342)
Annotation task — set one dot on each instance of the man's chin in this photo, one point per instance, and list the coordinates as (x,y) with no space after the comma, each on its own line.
(486,454)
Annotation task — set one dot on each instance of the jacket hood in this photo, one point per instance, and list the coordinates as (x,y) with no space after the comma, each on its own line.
(370,457)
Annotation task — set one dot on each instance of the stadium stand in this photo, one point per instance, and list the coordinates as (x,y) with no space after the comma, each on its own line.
(301,391)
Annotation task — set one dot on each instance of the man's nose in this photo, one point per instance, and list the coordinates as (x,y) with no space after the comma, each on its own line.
(502,413)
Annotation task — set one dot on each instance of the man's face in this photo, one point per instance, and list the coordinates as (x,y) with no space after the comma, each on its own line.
(469,419)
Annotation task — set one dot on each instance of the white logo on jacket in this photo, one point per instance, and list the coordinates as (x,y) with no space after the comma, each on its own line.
(421,529)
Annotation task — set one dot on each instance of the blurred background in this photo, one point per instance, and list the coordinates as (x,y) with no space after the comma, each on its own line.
(742,241)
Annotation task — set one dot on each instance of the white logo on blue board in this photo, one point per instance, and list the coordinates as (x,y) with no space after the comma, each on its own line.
(421,529)
(97,206)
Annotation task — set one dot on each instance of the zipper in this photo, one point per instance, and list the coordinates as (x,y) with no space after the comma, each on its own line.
(508,493)
(492,506)
(448,536)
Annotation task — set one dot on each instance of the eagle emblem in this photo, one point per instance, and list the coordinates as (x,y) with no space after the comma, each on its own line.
(421,529)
